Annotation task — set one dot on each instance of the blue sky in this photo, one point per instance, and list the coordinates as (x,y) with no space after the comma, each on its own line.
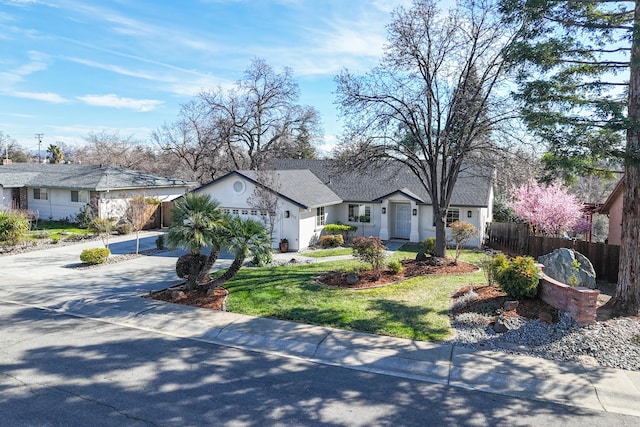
(71,67)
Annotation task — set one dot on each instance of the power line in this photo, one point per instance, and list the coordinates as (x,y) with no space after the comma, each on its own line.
(39,138)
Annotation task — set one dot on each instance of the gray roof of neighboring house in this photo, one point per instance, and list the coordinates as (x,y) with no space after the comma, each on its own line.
(82,177)
(473,187)
(301,187)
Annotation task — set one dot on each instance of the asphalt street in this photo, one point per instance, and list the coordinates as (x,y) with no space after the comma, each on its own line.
(58,370)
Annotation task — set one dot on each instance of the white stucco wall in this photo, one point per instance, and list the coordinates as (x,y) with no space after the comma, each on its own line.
(230,198)
(57,206)
(111,204)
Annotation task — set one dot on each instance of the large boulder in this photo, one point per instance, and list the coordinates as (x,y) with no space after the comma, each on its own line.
(561,266)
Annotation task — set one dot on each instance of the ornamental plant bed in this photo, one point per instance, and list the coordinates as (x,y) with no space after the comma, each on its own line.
(411,268)
(491,301)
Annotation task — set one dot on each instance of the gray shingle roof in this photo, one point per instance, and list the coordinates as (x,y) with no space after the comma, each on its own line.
(473,187)
(299,186)
(82,177)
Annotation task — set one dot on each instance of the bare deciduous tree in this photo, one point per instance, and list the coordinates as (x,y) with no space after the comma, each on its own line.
(259,118)
(140,209)
(432,102)
(265,197)
(198,145)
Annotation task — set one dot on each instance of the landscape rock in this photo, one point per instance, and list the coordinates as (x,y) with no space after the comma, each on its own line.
(421,256)
(176,294)
(504,324)
(545,317)
(352,279)
(436,261)
(559,265)
(510,305)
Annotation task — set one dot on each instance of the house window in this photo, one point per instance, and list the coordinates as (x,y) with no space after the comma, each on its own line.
(254,212)
(359,213)
(235,211)
(453,215)
(320,217)
(40,194)
(226,211)
(245,212)
(79,196)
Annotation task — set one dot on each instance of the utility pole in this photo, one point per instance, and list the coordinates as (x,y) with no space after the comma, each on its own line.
(39,138)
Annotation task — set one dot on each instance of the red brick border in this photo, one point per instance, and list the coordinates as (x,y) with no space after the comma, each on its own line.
(580,303)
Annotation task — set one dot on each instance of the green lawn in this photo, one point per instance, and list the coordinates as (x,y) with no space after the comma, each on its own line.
(57,230)
(322,253)
(416,308)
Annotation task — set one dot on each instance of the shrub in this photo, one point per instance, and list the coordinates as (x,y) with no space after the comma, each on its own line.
(395,266)
(85,216)
(331,241)
(55,240)
(160,242)
(496,266)
(95,256)
(370,250)
(461,232)
(520,278)
(261,259)
(465,300)
(14,228)
(342,229)
(429,245)
(124,228)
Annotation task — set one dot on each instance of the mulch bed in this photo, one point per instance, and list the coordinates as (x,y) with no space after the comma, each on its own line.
(491,301)
(411,268)
(195,298)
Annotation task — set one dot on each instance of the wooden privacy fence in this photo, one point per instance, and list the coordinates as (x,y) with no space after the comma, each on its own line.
(514,239)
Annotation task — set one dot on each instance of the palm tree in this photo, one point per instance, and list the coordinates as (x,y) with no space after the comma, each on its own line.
(197,224)
(243,237)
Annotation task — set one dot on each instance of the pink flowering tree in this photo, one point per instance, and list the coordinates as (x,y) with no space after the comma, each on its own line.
(549,210)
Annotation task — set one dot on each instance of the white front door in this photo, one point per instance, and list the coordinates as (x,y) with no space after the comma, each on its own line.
(402,221)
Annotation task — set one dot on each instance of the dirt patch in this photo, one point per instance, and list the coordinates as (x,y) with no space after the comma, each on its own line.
(194,298)
(411,268)
(490,302)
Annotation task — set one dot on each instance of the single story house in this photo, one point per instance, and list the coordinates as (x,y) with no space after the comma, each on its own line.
(388,202)
(612,207)
(61,191)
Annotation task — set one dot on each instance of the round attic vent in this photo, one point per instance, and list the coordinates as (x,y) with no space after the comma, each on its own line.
(238,187)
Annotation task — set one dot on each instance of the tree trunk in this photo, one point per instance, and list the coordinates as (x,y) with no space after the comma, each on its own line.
(211,259)
(228,275)
(441,233)
(627,298)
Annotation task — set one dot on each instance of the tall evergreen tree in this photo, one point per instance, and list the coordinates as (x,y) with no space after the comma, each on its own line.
(579,82)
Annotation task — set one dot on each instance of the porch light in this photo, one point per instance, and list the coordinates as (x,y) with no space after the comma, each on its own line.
(415,212)
(469,214)
(287,214)
(384,211)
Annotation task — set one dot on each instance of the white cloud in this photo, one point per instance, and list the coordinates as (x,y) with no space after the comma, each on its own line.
(50,97)
(38,61)
(115,101)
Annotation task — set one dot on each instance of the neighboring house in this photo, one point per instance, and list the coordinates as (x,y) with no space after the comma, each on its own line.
(612,207)
(61,191)
(387,202)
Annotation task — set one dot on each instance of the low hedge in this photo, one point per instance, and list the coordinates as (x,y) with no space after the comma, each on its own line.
(95,256)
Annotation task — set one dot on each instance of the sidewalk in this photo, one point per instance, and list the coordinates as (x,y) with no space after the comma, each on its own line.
(119,303)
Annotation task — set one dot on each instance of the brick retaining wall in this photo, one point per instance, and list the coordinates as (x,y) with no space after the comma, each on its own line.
(580,303)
